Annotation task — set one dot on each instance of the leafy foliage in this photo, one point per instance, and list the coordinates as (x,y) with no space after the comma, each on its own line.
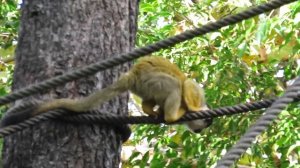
(250,61)
(9,23)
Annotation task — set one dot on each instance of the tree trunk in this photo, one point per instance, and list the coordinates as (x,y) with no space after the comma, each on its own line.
(56,37)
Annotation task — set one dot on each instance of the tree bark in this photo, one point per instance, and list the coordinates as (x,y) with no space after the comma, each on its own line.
(56,37)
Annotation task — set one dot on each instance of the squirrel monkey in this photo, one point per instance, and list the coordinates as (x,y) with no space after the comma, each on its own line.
(157,81)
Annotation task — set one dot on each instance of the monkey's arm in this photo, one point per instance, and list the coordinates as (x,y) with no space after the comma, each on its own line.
(158,88)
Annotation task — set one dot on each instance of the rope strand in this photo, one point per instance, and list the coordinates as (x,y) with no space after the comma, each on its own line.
(107,118)
(143,51)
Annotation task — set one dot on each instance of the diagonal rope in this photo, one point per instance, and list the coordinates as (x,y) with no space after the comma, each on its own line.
(119,59)
(261,125)
(109,118)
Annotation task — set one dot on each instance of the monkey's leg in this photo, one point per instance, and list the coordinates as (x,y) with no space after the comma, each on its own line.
(165,90)
(172,110)
(148,105)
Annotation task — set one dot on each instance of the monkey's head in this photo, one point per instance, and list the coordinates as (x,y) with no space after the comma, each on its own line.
(196,126)
(194,98)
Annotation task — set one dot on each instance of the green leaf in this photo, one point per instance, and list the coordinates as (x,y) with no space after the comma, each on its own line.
(262,31)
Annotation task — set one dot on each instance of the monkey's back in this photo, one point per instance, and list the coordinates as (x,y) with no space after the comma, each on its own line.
(157,64)
(157,81)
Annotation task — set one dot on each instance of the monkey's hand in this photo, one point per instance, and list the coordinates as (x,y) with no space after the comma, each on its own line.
(148,107)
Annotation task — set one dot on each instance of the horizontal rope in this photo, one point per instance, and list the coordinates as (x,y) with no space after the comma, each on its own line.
(143,51)
(261,125)
(117,119)
(230,110)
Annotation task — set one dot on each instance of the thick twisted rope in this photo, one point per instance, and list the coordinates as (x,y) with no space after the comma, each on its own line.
(119,59)
(261,125)
(108,119)
(230,110)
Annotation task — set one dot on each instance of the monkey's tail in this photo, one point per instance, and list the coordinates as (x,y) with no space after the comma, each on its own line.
(74,105)
(103,95)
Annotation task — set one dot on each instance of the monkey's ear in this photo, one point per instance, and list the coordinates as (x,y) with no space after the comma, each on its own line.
(193,95)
